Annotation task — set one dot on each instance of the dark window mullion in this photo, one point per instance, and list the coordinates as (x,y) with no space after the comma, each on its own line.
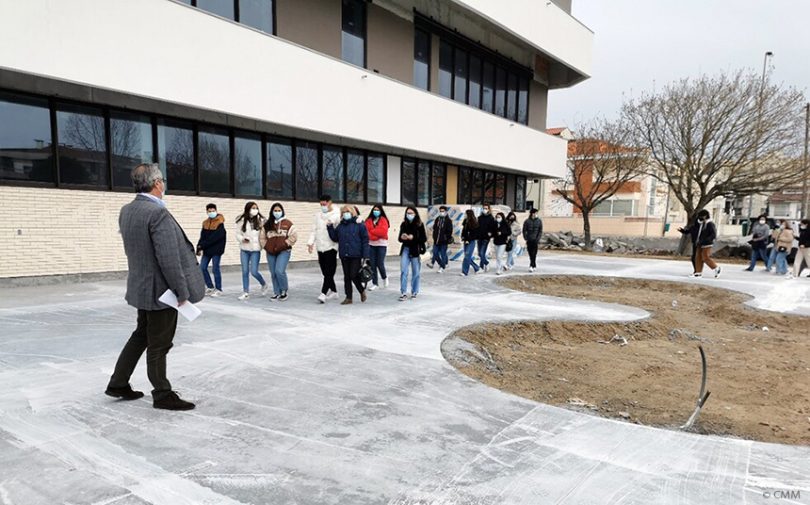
(236,10)
(263,139)
(345,190)
(108,141)
(232,162)
(294,163)
(54,143)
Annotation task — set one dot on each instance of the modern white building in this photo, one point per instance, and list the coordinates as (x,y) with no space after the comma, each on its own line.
(393,101)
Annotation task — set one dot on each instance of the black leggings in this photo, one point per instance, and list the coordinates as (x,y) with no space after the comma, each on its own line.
(531,247)
(351,267)
(328,263)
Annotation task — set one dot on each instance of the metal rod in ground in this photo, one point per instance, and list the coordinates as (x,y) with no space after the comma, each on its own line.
(702,396)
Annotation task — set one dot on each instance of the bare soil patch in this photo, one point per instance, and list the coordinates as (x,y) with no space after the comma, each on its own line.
(758,361)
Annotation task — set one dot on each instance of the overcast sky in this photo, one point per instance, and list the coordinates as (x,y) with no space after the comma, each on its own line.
(639,44)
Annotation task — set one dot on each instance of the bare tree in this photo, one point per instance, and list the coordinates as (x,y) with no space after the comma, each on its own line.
(730,136)
(600,164)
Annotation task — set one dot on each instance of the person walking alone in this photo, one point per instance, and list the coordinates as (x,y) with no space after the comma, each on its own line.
(280,237)
(803,252)
(703,233)
(532,232)
(159,258)
(327,249)
(352,239)
(377,226)
(442,237)
(211,246)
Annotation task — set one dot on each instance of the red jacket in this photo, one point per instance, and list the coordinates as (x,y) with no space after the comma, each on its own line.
(378,231)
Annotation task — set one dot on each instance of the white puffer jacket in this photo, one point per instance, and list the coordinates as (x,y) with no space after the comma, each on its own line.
(319,236)
(254,236)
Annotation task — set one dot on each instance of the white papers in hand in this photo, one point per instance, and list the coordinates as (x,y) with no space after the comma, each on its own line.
(187,310)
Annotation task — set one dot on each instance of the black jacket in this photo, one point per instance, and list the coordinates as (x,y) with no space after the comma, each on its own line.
(702,236)
(502,233)
(532,229)
(487,226)
(804,237)
(469,234)
(442,230)
(213,237)
(417,245)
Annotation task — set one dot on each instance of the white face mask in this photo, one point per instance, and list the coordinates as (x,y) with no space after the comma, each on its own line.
(803,227)
(761,221)
(324,208)
(498,219)
(212,215)
(254,212)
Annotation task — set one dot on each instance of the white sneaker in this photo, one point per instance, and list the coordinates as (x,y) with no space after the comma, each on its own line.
(243,296)
(385,282)
(209,291)
(497,272)
(697,274)
(331,295)
(717,271)
(322,298)
(372,287)
(789,275)
(265,289)
(216,293)
(463,274)
(441,270)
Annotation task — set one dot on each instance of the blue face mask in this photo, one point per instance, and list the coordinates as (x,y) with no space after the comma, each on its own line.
(277,214)
(324,208)
(376,213)
(347,216)
(410,217)
(212,215)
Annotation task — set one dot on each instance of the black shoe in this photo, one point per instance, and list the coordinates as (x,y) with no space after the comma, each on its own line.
(172,402)
(282,297)
(125,393)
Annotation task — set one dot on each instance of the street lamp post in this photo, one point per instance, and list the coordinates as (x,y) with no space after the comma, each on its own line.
(768,54)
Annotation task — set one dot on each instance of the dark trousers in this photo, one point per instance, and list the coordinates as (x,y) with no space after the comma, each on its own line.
(154,334)
(483,244)
(351,267)
(439,255)
(328,263)
(377,261)
(214,260)
(531,246)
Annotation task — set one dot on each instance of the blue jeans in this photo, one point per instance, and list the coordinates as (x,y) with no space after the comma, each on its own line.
(377,261)
(217,272)
(469,251)
(250,260)
(757,253)
(510,260)
(416,267)
(277,264)
(781,262)
(483,244)
(439,255)
(771,258)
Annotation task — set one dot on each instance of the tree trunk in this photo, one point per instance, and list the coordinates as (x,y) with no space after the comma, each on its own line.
(586,229)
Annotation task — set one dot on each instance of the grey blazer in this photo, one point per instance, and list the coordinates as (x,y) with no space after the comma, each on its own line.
(159,255)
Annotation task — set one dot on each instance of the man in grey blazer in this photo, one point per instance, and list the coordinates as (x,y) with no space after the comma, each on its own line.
(160,257)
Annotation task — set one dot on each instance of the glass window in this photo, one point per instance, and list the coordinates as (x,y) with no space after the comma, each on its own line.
(464,185)
(500,189)
(523,101)
(82,145)
(511,98)
(131,139)
(446,69)
(176,154)
(332,178)
(439,184)
(222,8)
(26,151)
(247,159)
(475,82)
(477,194)
(408,182)
(214,157)
(460,82)
(624,208)
(421,59)
(488,94)
(353,38)
(257,13)
(356,177)
(423,184)
(520,193)
(489,187)
(306,171)
(279,169)
(500,92)
(376,177)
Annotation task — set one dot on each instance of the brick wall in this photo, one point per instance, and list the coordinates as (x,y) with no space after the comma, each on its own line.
(57,231)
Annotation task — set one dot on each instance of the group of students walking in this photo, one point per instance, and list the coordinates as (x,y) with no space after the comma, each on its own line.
(361,244)
(773,246)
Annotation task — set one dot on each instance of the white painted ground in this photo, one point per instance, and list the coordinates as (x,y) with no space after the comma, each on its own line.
(308,404)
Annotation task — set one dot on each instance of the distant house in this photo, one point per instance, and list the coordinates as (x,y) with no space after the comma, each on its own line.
(785,204)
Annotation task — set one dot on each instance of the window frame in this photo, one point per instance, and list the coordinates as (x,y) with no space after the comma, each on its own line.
(362,4)
(54,182)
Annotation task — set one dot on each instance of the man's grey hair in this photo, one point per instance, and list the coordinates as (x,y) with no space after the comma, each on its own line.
(144,177)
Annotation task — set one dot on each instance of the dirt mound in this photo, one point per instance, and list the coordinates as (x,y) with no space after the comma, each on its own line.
(649,371)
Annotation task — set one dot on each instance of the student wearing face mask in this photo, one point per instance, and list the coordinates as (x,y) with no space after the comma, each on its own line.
(377,226)
(212,246)
(352,239)
(280,237)
(469,241)
(442,237)
(532,233)
(703,234)
(327,249)
(783,243)
(761,232)
(413,237)
(501,236)
(251,241)
(804,247)
(486,230)
(516,231)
